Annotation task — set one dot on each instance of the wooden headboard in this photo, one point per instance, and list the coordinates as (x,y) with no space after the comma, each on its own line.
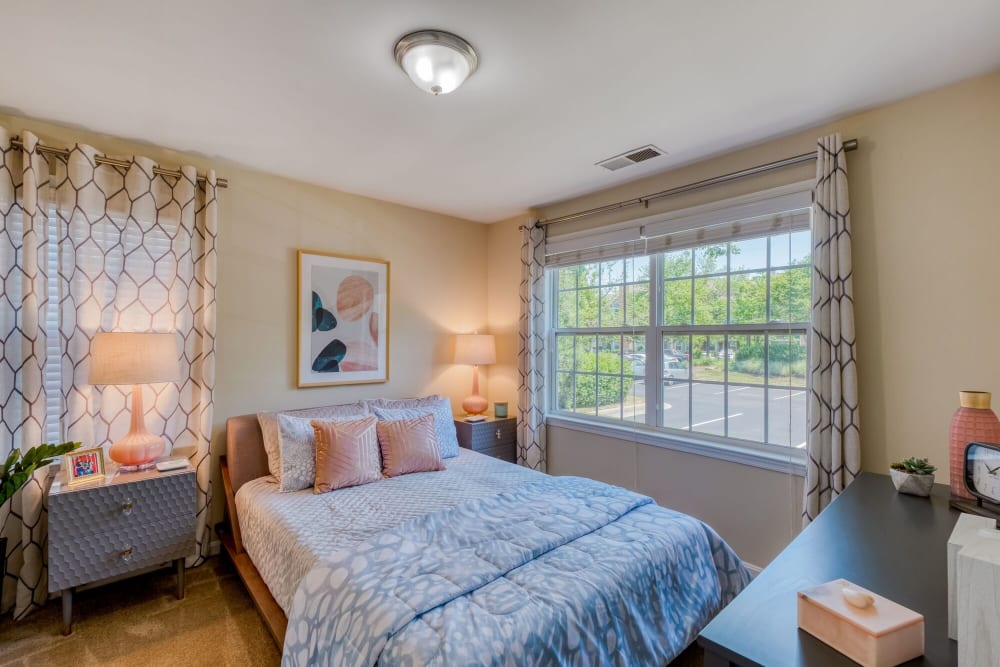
(245,460)
(245,455)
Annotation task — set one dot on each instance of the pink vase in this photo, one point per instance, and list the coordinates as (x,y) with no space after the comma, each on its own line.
(972,422)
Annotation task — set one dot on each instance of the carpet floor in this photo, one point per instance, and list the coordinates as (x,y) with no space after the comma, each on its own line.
(139,622)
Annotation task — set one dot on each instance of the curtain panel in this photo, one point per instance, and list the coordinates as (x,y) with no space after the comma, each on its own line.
(531,350)
(87,248)
(834,445)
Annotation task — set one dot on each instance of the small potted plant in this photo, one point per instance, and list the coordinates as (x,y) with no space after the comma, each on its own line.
(15,472)
(913,476)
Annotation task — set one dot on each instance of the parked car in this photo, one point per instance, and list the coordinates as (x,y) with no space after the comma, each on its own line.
(731,353)
(677,355)
(675,370)
(638,362)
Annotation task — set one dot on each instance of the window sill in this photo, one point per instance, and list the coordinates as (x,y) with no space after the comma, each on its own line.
(792,463)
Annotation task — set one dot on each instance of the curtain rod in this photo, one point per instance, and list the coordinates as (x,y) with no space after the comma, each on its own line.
(849,145)
(63,154)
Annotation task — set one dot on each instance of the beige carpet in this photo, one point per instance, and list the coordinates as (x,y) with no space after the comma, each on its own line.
(139,622)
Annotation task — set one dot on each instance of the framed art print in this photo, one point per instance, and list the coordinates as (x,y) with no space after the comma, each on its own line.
(84,465)
(343,319)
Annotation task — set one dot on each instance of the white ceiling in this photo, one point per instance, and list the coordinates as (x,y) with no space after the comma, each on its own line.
(309,89)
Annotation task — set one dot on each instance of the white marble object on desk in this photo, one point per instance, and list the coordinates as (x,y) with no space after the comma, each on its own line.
(966,531)
(879,634)
(979,601)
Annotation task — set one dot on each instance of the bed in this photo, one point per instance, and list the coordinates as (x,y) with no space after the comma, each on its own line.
(484,562)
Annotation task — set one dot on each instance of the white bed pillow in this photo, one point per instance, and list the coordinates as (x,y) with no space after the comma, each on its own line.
(272,441)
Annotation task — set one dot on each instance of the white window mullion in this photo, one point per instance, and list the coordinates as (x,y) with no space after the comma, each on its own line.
(654,343)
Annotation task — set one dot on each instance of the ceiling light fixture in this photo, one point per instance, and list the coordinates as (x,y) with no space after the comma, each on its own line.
(435,60)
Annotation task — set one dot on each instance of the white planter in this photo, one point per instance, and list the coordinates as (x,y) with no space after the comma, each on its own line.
(915,485)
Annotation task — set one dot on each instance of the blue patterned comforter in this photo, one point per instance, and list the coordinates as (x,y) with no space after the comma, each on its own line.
(564,571)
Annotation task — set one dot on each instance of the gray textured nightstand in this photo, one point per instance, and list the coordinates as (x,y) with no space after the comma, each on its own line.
(126,522)
(493,437)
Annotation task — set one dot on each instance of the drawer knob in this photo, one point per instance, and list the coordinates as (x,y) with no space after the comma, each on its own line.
(127,507)
(127,553)
(498,434)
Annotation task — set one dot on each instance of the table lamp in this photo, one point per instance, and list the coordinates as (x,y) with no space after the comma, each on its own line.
(135,359)
(475,349)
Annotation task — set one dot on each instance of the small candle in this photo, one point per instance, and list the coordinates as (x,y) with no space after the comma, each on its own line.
(500,410)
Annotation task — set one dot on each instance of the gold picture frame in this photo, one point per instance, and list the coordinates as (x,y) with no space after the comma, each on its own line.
(342,328)
(84,466)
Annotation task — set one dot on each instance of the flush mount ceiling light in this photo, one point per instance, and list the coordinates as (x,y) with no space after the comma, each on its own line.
(436,61)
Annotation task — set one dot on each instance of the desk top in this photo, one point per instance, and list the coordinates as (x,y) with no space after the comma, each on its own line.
(888,542)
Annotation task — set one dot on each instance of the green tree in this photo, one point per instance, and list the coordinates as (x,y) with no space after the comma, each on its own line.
(710,300)
(597,362)
(791,295)
(749,304)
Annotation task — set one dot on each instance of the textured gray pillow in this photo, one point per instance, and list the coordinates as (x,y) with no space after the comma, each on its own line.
(272,441)
(297,442)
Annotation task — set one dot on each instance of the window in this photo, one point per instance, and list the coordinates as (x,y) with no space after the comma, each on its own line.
(706,342)
(601,369)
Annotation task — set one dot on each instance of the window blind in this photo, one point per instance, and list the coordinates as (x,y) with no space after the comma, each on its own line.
(53,355)
(782,209)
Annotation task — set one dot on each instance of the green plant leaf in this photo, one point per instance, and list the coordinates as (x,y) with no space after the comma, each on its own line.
(18,467)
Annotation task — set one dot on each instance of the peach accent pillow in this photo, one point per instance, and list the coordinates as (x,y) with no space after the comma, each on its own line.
(347,454)
(409,445)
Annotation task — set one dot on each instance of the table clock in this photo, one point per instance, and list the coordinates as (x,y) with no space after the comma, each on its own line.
(981,472)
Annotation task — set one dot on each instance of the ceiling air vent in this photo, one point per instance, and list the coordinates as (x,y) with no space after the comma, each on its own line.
(634,156)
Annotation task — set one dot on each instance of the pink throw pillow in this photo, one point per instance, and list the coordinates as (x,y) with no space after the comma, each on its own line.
(347,454)
(409,445)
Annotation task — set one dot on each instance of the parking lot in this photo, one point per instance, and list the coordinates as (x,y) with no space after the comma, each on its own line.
(706,411)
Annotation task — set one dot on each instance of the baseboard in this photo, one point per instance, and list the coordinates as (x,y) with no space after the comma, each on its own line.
(754,569)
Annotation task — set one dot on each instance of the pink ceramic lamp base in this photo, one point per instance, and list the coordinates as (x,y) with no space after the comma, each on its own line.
(139,449)
(475,404)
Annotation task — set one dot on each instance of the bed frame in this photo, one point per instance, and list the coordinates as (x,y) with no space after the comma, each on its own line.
(245,460)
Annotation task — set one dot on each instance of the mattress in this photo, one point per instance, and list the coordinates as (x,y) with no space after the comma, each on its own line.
(285,534)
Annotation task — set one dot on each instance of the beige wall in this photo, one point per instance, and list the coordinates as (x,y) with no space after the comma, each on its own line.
(438,277)
(757,511)
(924,187)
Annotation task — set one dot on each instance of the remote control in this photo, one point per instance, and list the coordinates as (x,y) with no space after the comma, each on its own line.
(171,464)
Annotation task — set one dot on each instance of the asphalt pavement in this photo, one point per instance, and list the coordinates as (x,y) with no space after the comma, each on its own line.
(785,411)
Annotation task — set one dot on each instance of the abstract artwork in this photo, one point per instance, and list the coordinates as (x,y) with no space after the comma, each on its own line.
(343,319)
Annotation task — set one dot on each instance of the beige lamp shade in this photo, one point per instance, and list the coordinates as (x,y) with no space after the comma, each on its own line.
(134,358)
(475,349)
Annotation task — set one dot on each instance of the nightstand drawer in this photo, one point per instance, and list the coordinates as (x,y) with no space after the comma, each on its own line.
(83,556)
(503,452)
(122,506)
(488,434)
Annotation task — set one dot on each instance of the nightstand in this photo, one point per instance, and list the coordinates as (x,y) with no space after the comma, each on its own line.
(493,437)
(121,524)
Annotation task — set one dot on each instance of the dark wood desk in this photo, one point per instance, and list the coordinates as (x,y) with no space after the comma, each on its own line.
(893,544)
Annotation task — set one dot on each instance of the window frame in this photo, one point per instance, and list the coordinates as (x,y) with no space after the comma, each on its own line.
(783,458)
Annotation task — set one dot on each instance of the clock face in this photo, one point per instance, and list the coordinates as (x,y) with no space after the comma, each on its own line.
(982,471)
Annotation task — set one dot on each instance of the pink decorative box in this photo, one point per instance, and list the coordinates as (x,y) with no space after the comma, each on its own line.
(884,634)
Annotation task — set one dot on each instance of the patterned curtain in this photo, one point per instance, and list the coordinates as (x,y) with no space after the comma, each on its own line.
(87,248)
(531,351)
(834,444)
